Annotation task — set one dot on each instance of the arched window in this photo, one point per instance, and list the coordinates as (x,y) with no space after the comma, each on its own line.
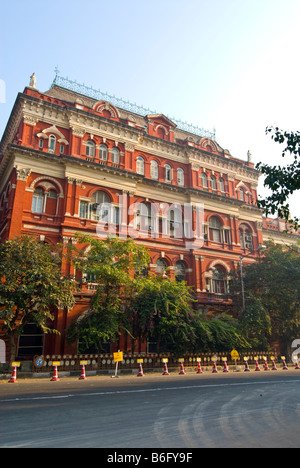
(115,156)
(180,271)
(100,202)
(90,149)
(103,152)
(98,208)
(52,143)
(242,194)
(140,166)
(161,266)
(38,198)
(213,182)
(246,240)
(221,185)
(203,180)
(180,177)
(219,283)
(154,170)
(168,173)
(51,202)
(215,228)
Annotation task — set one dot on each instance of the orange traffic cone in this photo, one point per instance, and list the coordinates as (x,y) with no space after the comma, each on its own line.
(257,368)
(140,373)
(55,375)
(284,366)
(13,378)
(225,367)
(199,371)
(181,369)
(273,365)
(215,370)
(266,366)
(82,376)
(246,367)
(165,372)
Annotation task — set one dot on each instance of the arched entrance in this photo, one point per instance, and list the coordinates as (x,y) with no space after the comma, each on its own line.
(31,342)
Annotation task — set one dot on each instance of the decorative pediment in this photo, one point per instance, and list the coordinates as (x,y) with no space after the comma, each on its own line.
(107,109)
(209,145)
(243,186)
(161,119)
(53,131)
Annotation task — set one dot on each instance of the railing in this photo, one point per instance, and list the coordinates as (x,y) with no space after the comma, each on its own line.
(151,361)
(126,105)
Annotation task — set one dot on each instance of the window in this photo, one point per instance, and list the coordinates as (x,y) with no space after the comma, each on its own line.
(221,185)
(242,195)
(161,266)
(41,143)
(180,271)
(140,166)
(218,280)
(100,203)
(180,177)
(90,149)
(62,149)
(154,170)
(84,209)
(174,226)
(203,180)
(168,173)
(51,202)
(246,240)
(144,217)
(51,144)
(115,156)
(37,205)
(52,194)
(103,152)
(213,182)
(99,208)
(215,229)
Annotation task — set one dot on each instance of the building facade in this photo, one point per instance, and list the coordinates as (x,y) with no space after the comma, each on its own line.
(73,163)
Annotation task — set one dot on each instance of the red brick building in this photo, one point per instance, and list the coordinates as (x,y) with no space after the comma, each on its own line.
(65,151)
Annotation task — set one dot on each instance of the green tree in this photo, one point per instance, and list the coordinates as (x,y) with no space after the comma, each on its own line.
(111,263)
(218,333)
(31,287)
(161,310)
(272,289)
(282,181)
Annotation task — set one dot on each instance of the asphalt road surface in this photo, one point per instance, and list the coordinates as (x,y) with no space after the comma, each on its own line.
(257,409)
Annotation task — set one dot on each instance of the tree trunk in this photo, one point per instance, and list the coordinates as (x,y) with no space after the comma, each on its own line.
(12,348)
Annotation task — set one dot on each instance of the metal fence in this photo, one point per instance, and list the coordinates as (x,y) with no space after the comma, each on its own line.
(105,362)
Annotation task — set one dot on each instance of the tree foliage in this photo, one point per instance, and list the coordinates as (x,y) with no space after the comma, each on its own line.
(161,310)
(30,286)
(272,290)
(283,181)
(112,263)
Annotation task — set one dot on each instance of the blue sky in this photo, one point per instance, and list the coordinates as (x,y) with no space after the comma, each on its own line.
(228,64)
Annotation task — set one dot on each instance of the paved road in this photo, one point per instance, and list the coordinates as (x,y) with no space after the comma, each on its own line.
(191,411)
